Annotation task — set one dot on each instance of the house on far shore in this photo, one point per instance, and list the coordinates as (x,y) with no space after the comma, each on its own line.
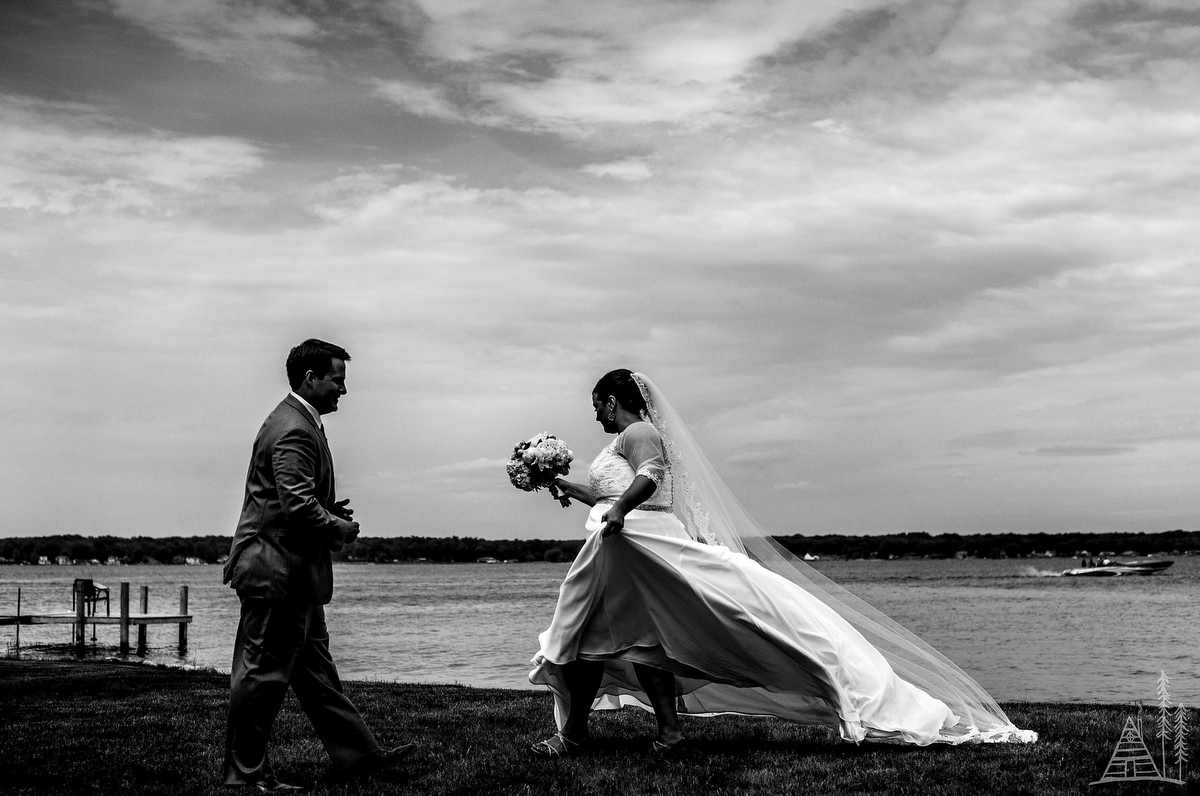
(63,561)
(487,560)
(43,561)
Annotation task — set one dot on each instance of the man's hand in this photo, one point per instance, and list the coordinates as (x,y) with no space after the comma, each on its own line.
(351,533)
(342,509)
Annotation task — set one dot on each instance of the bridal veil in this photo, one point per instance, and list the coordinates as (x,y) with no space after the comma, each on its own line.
(712,515)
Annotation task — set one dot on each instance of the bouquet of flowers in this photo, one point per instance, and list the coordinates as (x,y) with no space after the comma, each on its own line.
(536,462)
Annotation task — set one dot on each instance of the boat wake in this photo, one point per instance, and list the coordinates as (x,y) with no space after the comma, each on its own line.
(1034,572)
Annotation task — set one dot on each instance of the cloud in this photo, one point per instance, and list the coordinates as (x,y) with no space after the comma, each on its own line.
(454,478)
(629,169)
(568,67)
(272,38)
(469,469)
(58,159)
(429,101)
(1068,451)
(864,246)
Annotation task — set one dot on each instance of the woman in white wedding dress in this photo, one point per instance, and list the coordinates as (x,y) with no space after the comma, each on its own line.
(679,602)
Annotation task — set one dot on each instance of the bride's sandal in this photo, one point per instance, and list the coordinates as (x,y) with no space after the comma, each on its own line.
(664,749)
(557,745)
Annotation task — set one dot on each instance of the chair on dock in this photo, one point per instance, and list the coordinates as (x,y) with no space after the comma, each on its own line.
(91,593)
(86,595)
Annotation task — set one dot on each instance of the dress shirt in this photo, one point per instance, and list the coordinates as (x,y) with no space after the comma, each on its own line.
(316,415)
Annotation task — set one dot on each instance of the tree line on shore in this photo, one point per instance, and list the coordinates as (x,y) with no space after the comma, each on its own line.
(454,549)
(994,545)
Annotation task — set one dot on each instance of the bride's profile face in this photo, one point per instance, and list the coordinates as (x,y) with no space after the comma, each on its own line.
(602,412)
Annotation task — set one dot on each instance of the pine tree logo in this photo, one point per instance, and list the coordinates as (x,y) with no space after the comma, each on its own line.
(1131,760)
(1164,714)
(1181,728)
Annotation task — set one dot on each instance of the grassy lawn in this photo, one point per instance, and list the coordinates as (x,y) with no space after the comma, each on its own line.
(107,728)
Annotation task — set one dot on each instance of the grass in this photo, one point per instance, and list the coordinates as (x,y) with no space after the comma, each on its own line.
(83,727)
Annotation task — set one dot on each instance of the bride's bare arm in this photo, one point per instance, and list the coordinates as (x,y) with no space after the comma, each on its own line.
(638,493)
(577,491)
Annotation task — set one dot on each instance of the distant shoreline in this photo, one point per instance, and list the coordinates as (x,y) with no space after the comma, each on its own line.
(79,549)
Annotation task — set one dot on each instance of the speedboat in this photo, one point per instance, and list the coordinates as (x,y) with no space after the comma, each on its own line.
(1108,569)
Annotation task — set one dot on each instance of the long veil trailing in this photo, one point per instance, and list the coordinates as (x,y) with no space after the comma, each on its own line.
(711,514)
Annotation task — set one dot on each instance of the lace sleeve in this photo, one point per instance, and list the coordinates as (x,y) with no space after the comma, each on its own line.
(642,447)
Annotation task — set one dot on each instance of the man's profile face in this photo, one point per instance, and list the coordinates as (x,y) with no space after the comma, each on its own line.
(324,391)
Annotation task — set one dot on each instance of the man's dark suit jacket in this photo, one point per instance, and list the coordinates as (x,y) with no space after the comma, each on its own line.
(282,547)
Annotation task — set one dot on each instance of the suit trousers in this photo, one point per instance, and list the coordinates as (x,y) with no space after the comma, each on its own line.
(279,644)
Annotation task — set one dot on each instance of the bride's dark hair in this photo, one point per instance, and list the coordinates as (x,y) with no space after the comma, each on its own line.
(621,385)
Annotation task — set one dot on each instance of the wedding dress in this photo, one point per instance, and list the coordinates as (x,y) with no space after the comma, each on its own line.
(693,586)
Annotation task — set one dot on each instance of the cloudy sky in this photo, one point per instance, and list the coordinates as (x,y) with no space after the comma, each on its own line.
(903,266)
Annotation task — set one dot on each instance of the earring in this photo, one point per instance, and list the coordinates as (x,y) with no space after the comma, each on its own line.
(612,415)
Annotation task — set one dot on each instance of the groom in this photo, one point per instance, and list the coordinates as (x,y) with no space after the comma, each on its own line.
(281,567)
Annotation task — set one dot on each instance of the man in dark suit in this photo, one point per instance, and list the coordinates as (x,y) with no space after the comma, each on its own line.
(281,566)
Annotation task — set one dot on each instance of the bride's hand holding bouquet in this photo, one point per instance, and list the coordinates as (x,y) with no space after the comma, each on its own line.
(538,462)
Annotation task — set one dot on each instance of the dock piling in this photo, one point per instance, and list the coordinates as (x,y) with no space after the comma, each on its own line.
(124,617)
(183,611)
(145,607)
(79,617)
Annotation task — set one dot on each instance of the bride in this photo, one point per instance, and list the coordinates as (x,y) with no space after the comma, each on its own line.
(678,601)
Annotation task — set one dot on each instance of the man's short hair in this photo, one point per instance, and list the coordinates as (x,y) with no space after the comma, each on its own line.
(315,355)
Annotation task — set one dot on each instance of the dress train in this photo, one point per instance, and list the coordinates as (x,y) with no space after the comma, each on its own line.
(739,639)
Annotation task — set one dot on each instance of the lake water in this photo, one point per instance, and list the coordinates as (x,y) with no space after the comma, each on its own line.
(1021,632)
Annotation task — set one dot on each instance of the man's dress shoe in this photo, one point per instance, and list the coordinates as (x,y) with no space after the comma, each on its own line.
(387,758)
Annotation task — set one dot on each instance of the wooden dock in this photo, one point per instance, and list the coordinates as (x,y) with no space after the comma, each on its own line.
(80,618)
